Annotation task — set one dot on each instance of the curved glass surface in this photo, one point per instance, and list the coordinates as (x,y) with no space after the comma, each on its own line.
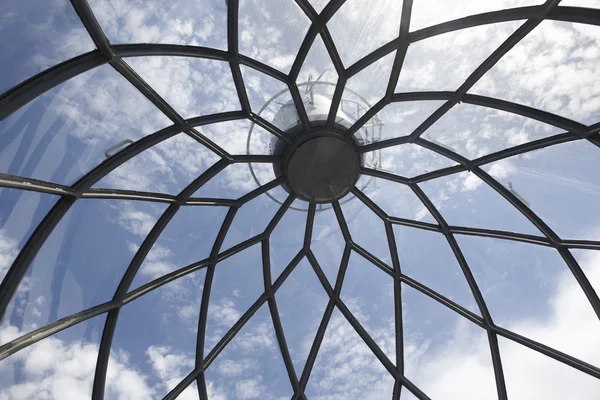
(151,248)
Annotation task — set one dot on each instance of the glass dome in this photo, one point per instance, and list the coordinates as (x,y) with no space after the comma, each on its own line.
(309,199)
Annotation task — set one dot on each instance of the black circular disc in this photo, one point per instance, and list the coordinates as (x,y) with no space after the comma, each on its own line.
(323,169)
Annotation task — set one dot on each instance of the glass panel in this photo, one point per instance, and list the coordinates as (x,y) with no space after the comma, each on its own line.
(346,368)
(368,292)
(465,200)
(192,86)
(251,366)
(64,133)
(432,12)
(529,374)
(474,131)
(408,160)
(366,229)
(444,62)
(196,23)
(188,238)
(581,3)
(560,184)
(318,5)
(167,167)
(328,243)
(540,71)
(427,257)
(271,34)
(20,213)
(231,183)
(446,355)
(237,284)
(251,220)
(395,199)
(37,36)
(82,262)
(59,364)
(589,261)
(366,88)
(530,290)
(158,332)
(359,27)
(397,119)
(287,239)
(301,302)
(407,395)
(239,137)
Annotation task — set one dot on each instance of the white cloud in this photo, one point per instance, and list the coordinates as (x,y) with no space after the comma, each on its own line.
(135,221)
(8,252)
(249,388)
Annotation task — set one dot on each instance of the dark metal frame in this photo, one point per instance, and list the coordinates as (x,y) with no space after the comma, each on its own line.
(114,55)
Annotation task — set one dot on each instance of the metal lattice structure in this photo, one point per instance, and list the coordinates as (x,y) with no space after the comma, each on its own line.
(116,56)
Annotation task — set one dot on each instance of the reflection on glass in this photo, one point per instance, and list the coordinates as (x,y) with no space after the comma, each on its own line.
(370,84)
(427,257)
(237,284)
(64,133)
(368,292)
(446,355)
(288,238)
(20,213)
(589,261)
(251,366)
(167,167)
(189,22)
(408,160)
(563,193)
(301,301)
(36,36)
(530,290)
(444,62)
(346,368)
(328,243)
(475,131)
(81,263)
(192,86)
(188,238)
(540,71)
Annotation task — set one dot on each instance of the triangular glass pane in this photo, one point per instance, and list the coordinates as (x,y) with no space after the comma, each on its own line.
(167,167)
(342,358)
(444,62)
(368,292)
(366,229)
(188,238)
(408,160)
(529,374)
(465,200)
(20,213)
(318,5)
(83,260)
(232,183)
(237,284)
(475,131)
(396,199)
(158,332)
(42,370)
(539,71)
(359,27)
(192,86)
(265,32)
(396,120)
(270,98)
(64,133)
(427,257)
(251,365)
(328,243)
(432,12)
(407,395)
(560,184)
(287,239)
(239,137)
(589,261)
(446,356)
(37,38)
(301,301)
(195,23)
(530,290)
(251,220)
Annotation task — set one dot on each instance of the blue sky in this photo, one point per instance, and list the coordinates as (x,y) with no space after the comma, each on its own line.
(63,134)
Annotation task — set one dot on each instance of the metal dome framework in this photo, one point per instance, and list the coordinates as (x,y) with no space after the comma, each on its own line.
(116,56)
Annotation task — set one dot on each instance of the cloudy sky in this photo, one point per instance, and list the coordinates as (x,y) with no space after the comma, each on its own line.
(64,134)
